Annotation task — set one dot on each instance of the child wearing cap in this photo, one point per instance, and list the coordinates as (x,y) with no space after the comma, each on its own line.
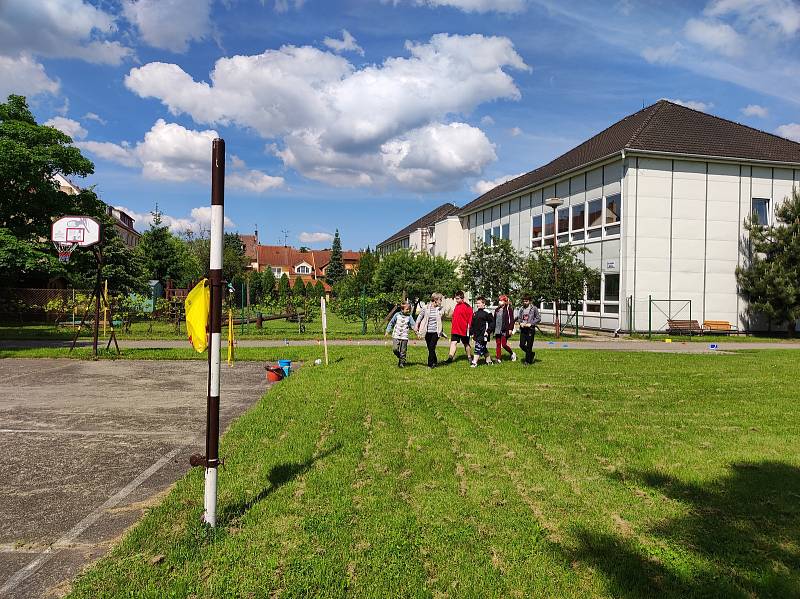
(503,328)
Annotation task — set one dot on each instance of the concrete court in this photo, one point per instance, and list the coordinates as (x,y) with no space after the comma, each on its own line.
(87,446)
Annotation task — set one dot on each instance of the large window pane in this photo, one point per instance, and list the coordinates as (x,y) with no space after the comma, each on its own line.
(563,219)
(487,237)
(578,217)
(761,211)
(505,232)
(611,293)
(496,232)
(596,212)
(613,208)
(549,223)
(536,226)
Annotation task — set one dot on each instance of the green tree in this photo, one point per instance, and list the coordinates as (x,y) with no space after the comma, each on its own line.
(769,280)
(284,288)
(299,289)
(319,290)
(535,276)
(124,269)
(262,285)
(335,271)
(30,157)
(489,269)
(21,261)
(416,275)
(164,255)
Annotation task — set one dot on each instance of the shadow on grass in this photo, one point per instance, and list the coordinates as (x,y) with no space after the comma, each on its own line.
(277,477)
(741,538)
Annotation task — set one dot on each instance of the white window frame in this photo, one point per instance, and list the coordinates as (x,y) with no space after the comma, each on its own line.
(603,300)
(540,238)
(303,269)
(768,204)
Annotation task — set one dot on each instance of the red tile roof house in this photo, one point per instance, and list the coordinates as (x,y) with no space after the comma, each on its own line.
(308,266)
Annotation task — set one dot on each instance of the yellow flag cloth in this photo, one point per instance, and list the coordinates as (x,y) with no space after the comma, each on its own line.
(198,304)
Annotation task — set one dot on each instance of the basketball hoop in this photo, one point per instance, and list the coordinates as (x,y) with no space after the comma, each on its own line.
(65,249)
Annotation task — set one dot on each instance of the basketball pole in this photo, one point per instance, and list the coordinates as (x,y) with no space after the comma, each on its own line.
(215,280)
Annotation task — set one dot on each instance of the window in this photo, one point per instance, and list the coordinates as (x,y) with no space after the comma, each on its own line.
(563,220)
(595,213)
(536,228)
(303,269)
(505,231)
(611,292)
(593,290)
(761,211)
(496,232)
(578,217)
(613,208)
(487,237)
(549,224)
(276,270)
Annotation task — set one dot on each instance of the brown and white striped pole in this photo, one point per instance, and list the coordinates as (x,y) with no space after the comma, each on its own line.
(215,279)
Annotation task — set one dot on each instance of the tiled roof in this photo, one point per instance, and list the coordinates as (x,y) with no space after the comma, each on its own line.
(663,127)
(289,257)
(428,220)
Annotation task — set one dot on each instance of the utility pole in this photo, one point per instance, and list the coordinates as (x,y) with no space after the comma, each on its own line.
(215,280)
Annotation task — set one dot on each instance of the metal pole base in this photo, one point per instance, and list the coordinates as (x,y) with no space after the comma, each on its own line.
(210,498)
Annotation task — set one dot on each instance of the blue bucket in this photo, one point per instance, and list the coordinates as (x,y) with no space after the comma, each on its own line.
(286,365)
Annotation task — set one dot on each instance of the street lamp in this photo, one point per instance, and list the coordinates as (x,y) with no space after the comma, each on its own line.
(554,203)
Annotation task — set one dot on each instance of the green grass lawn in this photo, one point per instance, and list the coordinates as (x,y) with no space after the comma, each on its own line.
(272,329)
(589,474)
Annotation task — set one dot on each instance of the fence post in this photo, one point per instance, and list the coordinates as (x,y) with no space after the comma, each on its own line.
(363,311)
(649,316)
(690,316)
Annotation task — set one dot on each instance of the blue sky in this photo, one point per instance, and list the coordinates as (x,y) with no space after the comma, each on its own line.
(362,115)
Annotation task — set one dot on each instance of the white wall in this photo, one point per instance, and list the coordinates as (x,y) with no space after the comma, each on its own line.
(683,235)
(450,238)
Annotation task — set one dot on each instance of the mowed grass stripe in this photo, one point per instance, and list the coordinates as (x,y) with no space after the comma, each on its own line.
(590,474)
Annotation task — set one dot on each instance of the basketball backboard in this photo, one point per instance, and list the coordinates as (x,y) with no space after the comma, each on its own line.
(82,231)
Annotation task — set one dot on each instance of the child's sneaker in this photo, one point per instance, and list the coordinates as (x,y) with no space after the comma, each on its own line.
(473,365)
(513,357)
(498,361)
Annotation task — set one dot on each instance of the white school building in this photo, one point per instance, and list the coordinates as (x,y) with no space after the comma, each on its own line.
(658,200)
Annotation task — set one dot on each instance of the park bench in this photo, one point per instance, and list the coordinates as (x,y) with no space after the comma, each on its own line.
(720,327)
(680,327)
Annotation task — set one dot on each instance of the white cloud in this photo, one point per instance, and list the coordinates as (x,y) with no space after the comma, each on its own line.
(60,29)
(91,116)
(715,36)
(502,6)
(693,104)
(789,131)
(482,186)
(170,152)
(437,156)
(663,54)
(515,131)
(346,44)
(305,237)
(67,126)
(487,121)
(760,16)
(755,110)
(282,6)
(24,76)
(335,119)
(170,24)
(199,220)
(120,154)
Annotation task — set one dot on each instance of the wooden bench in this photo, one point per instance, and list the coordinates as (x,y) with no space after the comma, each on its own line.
(680,327)
(720,327)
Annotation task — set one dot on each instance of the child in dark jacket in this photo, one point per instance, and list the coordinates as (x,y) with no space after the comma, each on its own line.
(503,328)
(482,329)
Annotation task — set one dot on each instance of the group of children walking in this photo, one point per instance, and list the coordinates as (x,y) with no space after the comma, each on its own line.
(480,325)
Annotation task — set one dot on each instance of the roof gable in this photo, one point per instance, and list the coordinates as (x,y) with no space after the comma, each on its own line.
(432,217)
(663,127)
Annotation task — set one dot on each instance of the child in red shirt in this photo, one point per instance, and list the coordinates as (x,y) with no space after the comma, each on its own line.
(461,326)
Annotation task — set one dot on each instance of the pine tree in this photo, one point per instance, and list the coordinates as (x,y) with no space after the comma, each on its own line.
(335,271)
(769,279)
(284,289)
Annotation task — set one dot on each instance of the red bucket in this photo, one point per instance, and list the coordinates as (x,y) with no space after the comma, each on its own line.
(274,374)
